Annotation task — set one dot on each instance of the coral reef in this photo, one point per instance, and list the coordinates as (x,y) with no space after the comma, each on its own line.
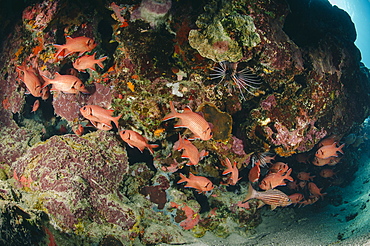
(92,188)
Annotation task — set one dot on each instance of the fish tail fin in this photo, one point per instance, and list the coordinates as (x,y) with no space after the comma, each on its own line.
(183,179)
(340,148)
(47,81)
(172,114)
(151,147)
(251,193)
(179,143)
(60,50)
(100,61)
(115,120)
(203,154)
(287,175)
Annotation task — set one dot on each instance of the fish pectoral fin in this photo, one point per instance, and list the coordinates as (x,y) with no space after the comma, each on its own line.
(194,137)
(185,154)
(93,123)
(130,145)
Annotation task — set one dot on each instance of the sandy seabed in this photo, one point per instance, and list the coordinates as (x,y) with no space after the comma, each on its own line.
(305,226)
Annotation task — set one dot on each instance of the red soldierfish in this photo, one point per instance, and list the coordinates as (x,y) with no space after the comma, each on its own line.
(327,173)
(321,162)
(279,167)
(315,191)
(190,151)
(296,197)
(79,130)
(73,45)
(274,197)
(254,173)
(31,80)
(134,139)
(273,180)
(66,83)
(305,176)
(35,106)
(309,201)
(191,120)
(327,151)
(95,113)
(234,177)
(201,184)
(88,62)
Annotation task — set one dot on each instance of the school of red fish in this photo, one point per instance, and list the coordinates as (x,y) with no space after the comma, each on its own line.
(303,189)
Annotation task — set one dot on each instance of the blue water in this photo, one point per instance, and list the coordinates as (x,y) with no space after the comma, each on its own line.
(359,10)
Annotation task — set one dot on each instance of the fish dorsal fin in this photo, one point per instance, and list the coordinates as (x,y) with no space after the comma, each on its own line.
(185,155)
(226,171)
(187,109)
(191,175)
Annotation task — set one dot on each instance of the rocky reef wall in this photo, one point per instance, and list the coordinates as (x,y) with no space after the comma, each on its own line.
(272,77)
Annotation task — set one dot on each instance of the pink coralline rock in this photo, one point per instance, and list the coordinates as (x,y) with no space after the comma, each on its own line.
(38,16)
(10,93)
(302,138)
(13,139)
(237,147)
(234,144)
(269,103)
(68,105)
(76,176)
(284,137)
(152,11)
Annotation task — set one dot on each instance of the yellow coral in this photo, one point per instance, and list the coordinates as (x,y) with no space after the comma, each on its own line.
(19,51)
(284,153)
(131,86)
(158,132)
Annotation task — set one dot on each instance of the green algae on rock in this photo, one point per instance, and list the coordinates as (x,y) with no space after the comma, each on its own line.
(223,37)
(221,121)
